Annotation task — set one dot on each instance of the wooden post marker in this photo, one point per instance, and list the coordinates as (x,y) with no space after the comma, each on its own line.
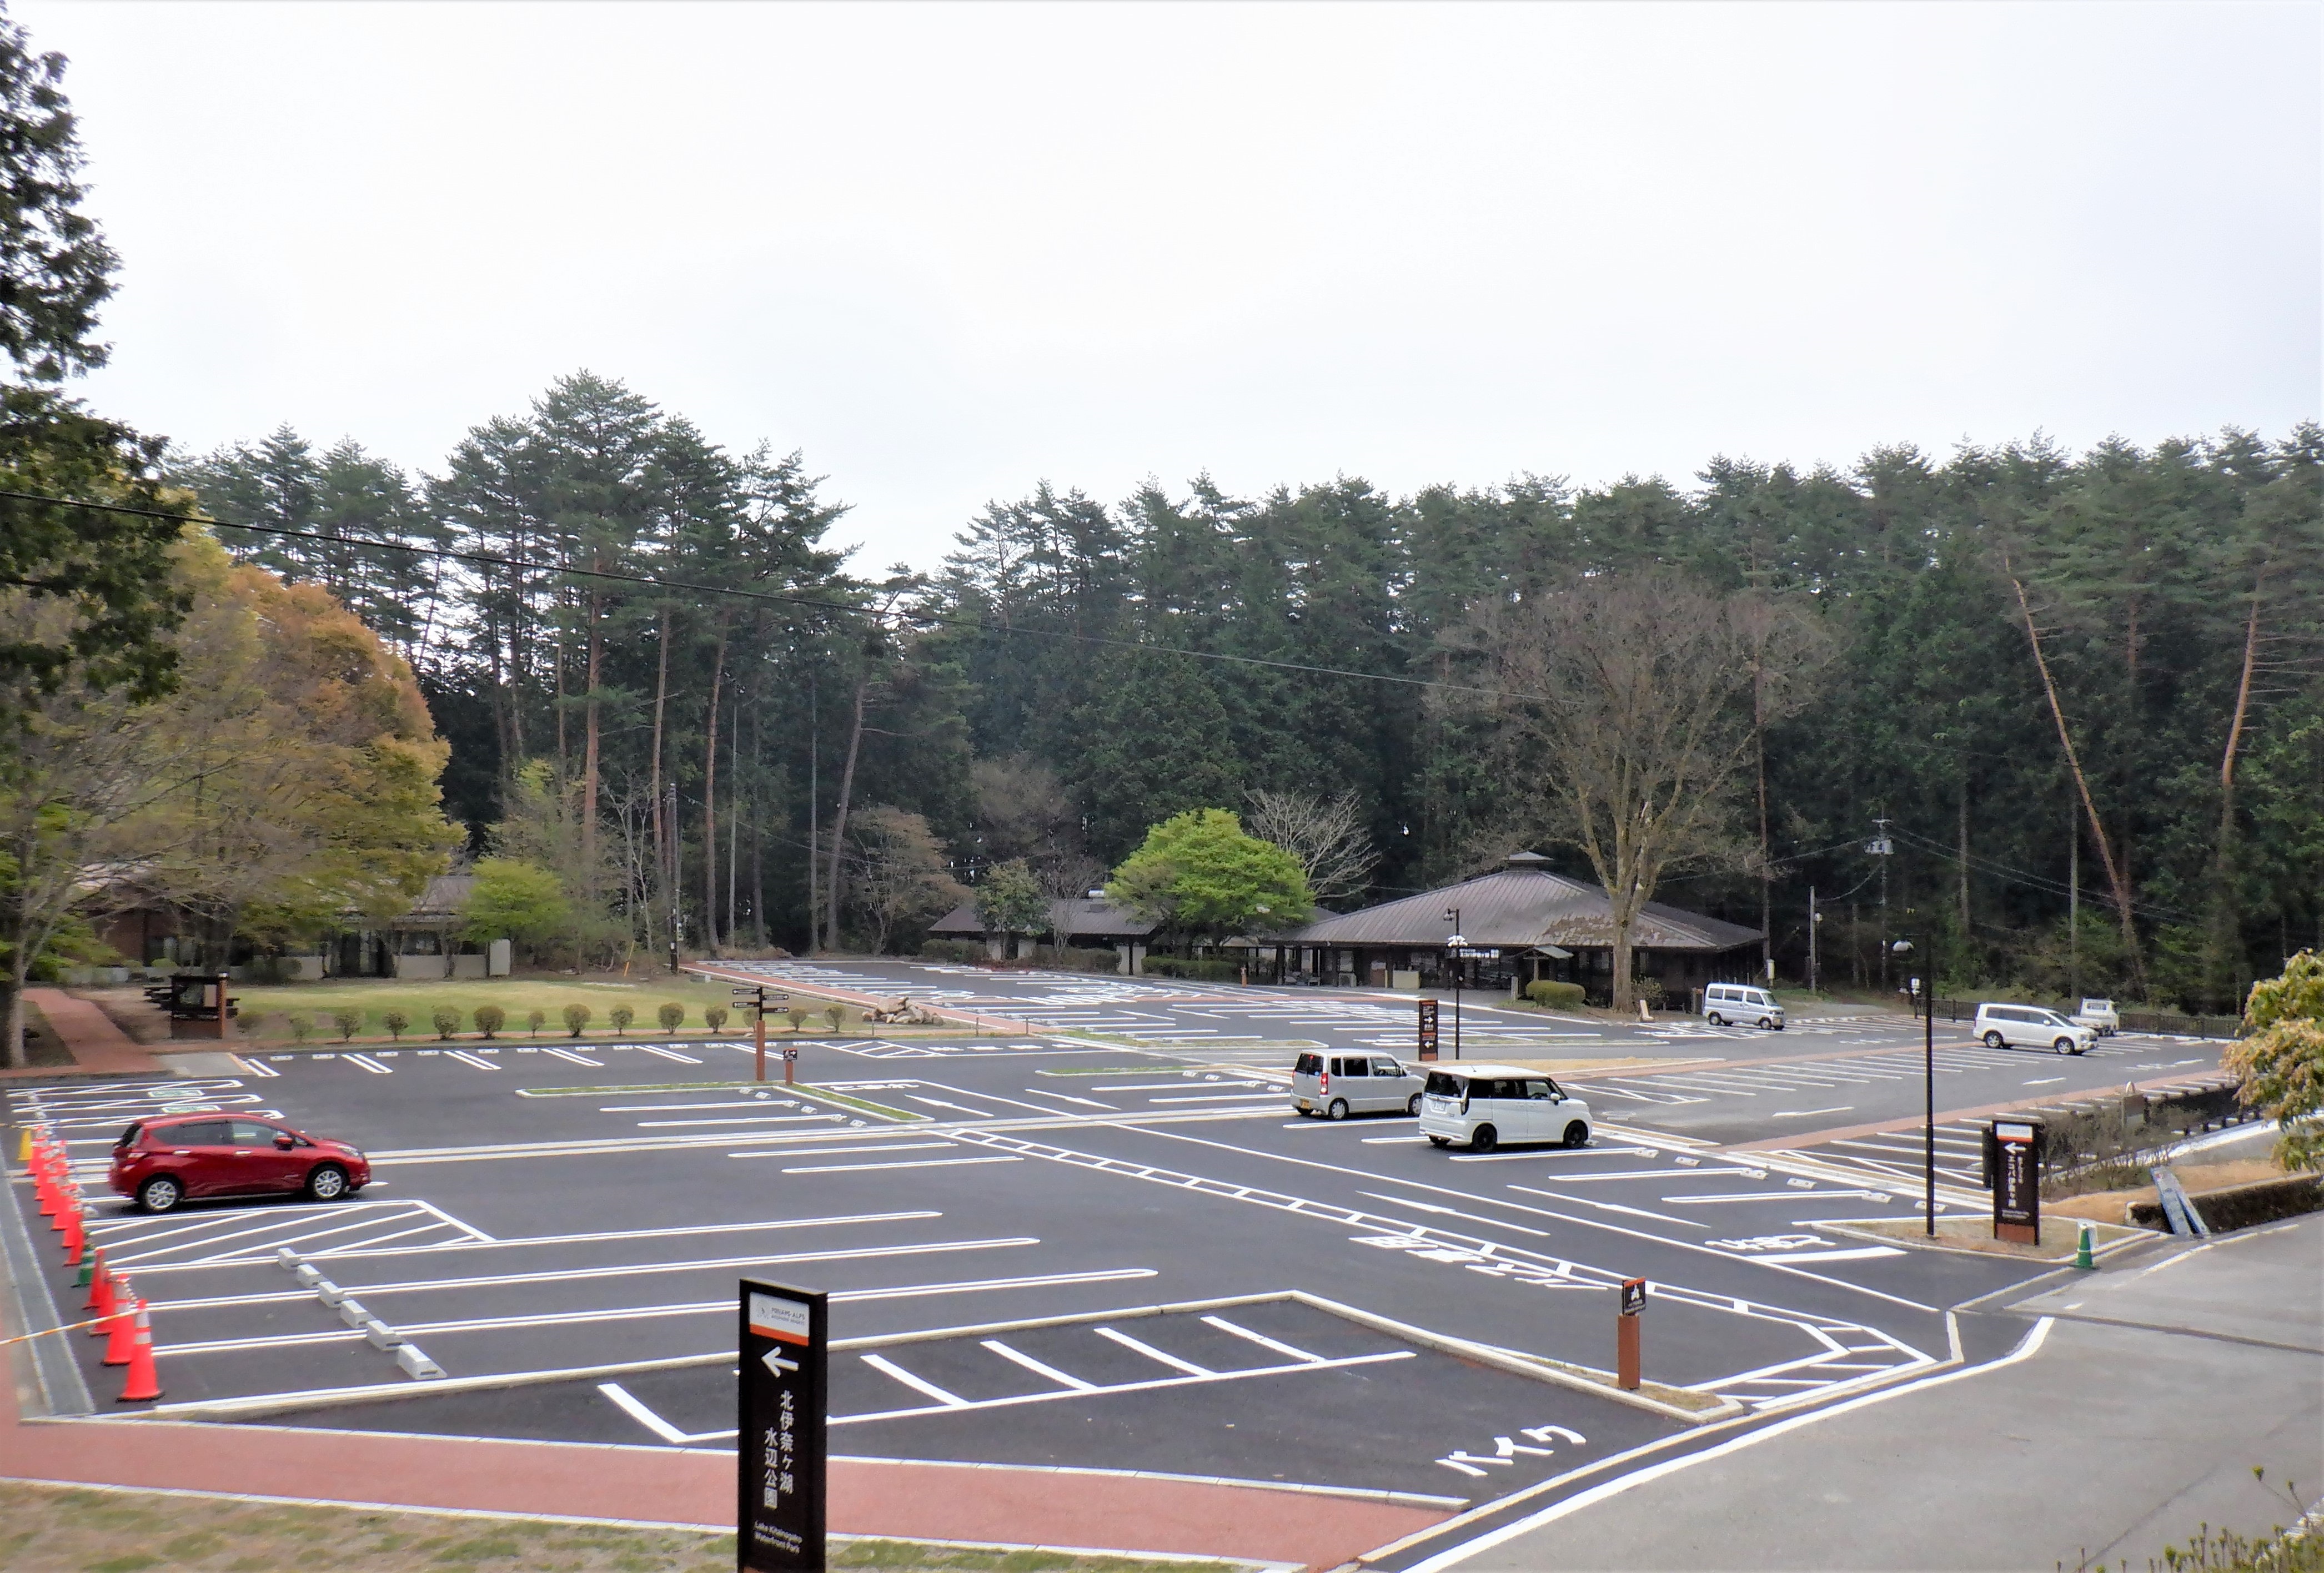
(1625,1357)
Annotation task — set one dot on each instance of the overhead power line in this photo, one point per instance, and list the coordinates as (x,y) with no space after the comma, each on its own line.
(812,602)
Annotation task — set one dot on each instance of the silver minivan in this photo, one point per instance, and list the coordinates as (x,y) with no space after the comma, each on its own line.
(1723,1003)
(1336,1086)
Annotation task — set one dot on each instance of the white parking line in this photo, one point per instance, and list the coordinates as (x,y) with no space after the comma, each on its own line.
(907,1163)
(881,1362)
(368,1064)
(818,1152)
(670,1054)
(647,1417)
(741,1120)
(466,1058)
(569,1054)
(1017,1355)
(1151,1353)
(1261,1339)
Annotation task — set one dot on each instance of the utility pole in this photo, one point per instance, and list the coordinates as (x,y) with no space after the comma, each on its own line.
(2074,899)
(1881,848)
(672,807)
(1814,917)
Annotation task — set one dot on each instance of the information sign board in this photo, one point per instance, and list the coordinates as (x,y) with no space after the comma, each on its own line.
(2017,1180)
(1427,1050)
(782,1402)
(1634,1296)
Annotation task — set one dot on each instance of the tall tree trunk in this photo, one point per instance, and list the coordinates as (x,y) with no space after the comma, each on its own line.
(758,824)
(1961,857)
(733,815)
(2116,880)
(710,800)
(813,824)
(1767,869)
(594,668)
(563,774)
(2225,939)
(661,816)
(839,817)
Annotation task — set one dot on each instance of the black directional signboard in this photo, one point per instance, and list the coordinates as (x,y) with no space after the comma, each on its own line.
(782,1401)
(1427,1029)
(2017,1180)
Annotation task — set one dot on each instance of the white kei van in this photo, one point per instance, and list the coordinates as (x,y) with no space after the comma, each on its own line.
(2031,1026)
(1482,1107)
(1741,1002)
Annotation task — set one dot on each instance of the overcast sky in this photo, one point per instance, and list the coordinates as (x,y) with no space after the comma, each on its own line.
(948,251)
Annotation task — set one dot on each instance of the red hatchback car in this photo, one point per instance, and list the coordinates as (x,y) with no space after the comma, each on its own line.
(162,1162)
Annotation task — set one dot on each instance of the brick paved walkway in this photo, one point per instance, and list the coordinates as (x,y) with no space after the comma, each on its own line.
(98,1046)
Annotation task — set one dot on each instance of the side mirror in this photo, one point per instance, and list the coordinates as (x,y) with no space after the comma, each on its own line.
(285,1141)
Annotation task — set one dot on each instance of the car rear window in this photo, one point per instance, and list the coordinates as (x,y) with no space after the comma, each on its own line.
(128,1138)
(1444,1084)
(1308,1065)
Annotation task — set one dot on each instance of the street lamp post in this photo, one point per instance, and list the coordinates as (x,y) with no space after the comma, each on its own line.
(1926,987)
(1455,944)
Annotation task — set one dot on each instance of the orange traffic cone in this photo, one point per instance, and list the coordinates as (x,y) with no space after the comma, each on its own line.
(68,1204)
(101,1297)
(45,1189)
(75,1238)
(93,1272)
(120,1339)
(143,1382)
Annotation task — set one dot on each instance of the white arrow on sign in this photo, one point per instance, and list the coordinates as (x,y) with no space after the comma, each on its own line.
(777,1364)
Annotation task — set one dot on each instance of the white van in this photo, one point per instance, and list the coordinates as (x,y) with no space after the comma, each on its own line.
(2032,1026)
(1482,1107)
(2101,1017)
(1741,1002)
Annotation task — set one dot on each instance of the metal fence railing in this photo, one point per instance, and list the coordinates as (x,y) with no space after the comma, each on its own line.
(2139,1021)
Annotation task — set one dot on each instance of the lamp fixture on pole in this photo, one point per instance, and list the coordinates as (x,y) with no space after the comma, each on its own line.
(1927,1001)
(1454,946)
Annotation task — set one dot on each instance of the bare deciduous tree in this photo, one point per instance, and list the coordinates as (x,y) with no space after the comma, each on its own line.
(1630,700)
(899,875)
(1328,838)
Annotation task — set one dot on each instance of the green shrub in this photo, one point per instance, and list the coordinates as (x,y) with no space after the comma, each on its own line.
(301,1025)
(834,1015)
(1556,996)
(490,1019)
(535,1019)
(670,1016)
(1073,959)
(395,1022)
(1200,969)
(713,1017)
(798,1013)
(448,1022)
(953,949)
(621,1015)
(349,1022)
(577,1016)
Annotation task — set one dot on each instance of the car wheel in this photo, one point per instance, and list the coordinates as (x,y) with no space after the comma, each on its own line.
(1439,1141)
(1993,1041)
(160,1195)
(1412,1104)
(1714,1018)
(327,1183)
(1339,1110)
(1766,1025)
(1577,1134)
(1482,1138)
(2062,1046)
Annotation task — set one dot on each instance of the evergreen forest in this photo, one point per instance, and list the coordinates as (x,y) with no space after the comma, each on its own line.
(2076,697)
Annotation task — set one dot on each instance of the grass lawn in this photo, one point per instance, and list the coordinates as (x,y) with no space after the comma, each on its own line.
(52,1528)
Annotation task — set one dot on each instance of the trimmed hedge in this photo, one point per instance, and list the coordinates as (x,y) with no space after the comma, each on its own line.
(1556,996)
(952,950)
(1197,969)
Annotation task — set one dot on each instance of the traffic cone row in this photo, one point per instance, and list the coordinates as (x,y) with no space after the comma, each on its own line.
(121,1318)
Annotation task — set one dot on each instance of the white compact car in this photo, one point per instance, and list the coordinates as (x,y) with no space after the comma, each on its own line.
(2031,1026)
(1483,1107)
(1741,1002)
(2101,1017)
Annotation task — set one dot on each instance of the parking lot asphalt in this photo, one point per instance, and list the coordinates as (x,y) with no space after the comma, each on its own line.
(557,1219)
